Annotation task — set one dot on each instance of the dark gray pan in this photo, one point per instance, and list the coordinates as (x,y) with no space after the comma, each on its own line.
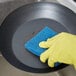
(24,23)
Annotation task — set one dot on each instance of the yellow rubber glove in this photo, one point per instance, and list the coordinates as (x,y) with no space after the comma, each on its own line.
(60,48)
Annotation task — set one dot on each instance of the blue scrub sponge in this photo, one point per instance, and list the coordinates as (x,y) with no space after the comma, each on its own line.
(33,44)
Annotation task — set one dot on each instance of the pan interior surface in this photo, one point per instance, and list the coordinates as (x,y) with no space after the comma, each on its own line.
(26,32)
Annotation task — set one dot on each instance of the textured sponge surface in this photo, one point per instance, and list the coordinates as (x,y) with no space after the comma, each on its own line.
(32,45)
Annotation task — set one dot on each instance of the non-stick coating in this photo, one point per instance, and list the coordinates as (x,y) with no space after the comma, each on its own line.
(24,23)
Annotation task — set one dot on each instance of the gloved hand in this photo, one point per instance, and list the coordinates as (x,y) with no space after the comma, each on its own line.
(60,48)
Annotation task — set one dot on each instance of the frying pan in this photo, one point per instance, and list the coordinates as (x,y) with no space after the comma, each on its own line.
(24,23)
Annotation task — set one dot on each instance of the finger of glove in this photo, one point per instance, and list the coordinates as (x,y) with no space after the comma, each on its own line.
(51,62)
(50,41)
(44,56)
(52,58)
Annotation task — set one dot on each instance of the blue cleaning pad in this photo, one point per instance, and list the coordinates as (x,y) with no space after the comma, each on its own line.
(33,44)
